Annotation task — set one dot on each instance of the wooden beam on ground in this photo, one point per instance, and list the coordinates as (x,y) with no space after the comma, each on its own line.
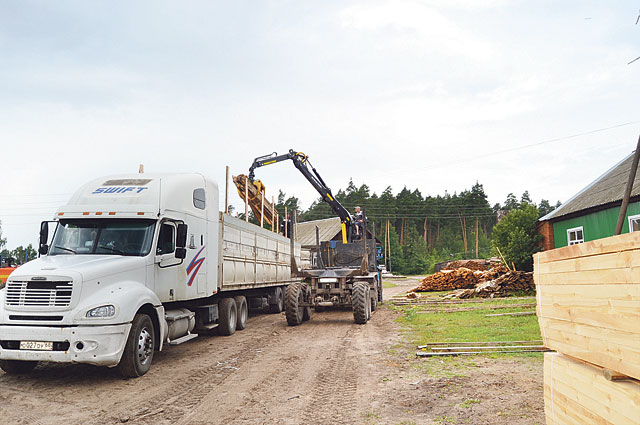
(517,313)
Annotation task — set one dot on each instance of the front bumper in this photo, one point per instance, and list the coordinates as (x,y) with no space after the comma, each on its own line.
(101,345)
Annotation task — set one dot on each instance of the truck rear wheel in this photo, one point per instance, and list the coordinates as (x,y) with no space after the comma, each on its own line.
(138,351)
(306,312)
(228,312)
(361,302)
(374,300)
(293,298)
(278,295)
(243,312)
(17,367)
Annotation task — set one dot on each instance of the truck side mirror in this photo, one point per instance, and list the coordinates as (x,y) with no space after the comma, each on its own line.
(181,253)
(43,249)
(181,238)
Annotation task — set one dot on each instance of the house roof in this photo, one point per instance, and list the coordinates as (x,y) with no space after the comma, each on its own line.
(328,228)
(606,189)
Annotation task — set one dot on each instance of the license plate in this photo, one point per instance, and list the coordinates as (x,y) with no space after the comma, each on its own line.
(36,345)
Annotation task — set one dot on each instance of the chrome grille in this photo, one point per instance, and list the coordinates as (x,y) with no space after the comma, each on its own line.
(41,293)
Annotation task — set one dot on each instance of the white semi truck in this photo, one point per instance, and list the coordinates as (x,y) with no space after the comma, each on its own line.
(137,262)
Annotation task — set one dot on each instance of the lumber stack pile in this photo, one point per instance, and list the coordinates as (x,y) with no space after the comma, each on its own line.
(576,392)
(588,305)
(503,286)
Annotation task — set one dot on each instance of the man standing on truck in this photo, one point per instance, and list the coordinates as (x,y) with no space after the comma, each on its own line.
(358,219)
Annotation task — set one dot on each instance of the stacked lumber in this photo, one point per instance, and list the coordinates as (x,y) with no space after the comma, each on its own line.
(589,301)
(576,392)
(502,286)
(255,191)
(588,305)
(475,264)
(447,280)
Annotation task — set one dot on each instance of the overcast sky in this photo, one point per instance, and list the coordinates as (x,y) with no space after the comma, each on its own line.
(435,95)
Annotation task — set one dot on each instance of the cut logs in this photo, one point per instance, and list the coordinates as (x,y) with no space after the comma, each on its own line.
(495,282)
(476,264)
(255,191)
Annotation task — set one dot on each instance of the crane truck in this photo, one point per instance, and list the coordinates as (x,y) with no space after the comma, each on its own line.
(346,273)
(138,262)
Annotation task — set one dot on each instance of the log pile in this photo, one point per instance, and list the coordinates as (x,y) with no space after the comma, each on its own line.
(447,280)
(476,264)
(503,286)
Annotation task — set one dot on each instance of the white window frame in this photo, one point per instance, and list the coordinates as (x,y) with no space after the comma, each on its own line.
(577,241)
(631,218)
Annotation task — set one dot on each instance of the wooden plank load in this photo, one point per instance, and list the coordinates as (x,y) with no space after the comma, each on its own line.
(576,392)
(588,298)
(255,198)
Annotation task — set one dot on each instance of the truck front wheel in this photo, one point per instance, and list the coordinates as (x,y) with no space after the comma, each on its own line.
(293,310)
(138,351)
(361,302)
(17,367)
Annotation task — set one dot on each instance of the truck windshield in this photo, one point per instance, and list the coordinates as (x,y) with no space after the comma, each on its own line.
(96,236)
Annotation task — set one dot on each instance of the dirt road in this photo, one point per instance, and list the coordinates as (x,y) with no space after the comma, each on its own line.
(327,371)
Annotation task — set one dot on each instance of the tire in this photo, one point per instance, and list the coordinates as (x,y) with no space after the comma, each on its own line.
(138,351)
(278,307)
(228,320)
(374,300)
(306,311)
(17,367)
(243,312)
(293,298)
(360,302)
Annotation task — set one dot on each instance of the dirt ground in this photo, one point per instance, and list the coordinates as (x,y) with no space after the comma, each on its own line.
(326,371)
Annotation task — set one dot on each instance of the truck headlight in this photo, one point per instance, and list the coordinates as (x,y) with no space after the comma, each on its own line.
(102,311)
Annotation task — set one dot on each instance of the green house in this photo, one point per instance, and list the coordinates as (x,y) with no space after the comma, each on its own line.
(593,212)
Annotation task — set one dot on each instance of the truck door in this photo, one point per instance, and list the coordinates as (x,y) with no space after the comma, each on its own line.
(170,274)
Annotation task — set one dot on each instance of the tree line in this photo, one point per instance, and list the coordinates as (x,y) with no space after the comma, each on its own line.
(426,230)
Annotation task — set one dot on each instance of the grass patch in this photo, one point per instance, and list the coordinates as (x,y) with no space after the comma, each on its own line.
(386,284)
(464,326)
(469,403)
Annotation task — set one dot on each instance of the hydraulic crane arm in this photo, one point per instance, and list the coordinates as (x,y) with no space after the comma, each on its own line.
(301,162)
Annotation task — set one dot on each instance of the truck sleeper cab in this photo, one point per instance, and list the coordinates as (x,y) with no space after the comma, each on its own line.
(137,262)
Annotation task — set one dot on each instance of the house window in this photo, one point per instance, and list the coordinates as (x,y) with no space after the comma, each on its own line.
(634,223)
(575,235)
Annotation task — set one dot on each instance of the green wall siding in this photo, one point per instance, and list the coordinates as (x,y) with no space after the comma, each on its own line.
(596,225)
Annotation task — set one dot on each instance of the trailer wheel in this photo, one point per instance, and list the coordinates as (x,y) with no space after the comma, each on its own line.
(17,367)
(361,303)
(228,312)
(138,351)
(278,307)
(243,312)
(306,312)
(293,298)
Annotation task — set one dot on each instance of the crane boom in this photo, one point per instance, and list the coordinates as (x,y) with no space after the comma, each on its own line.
(301,162)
